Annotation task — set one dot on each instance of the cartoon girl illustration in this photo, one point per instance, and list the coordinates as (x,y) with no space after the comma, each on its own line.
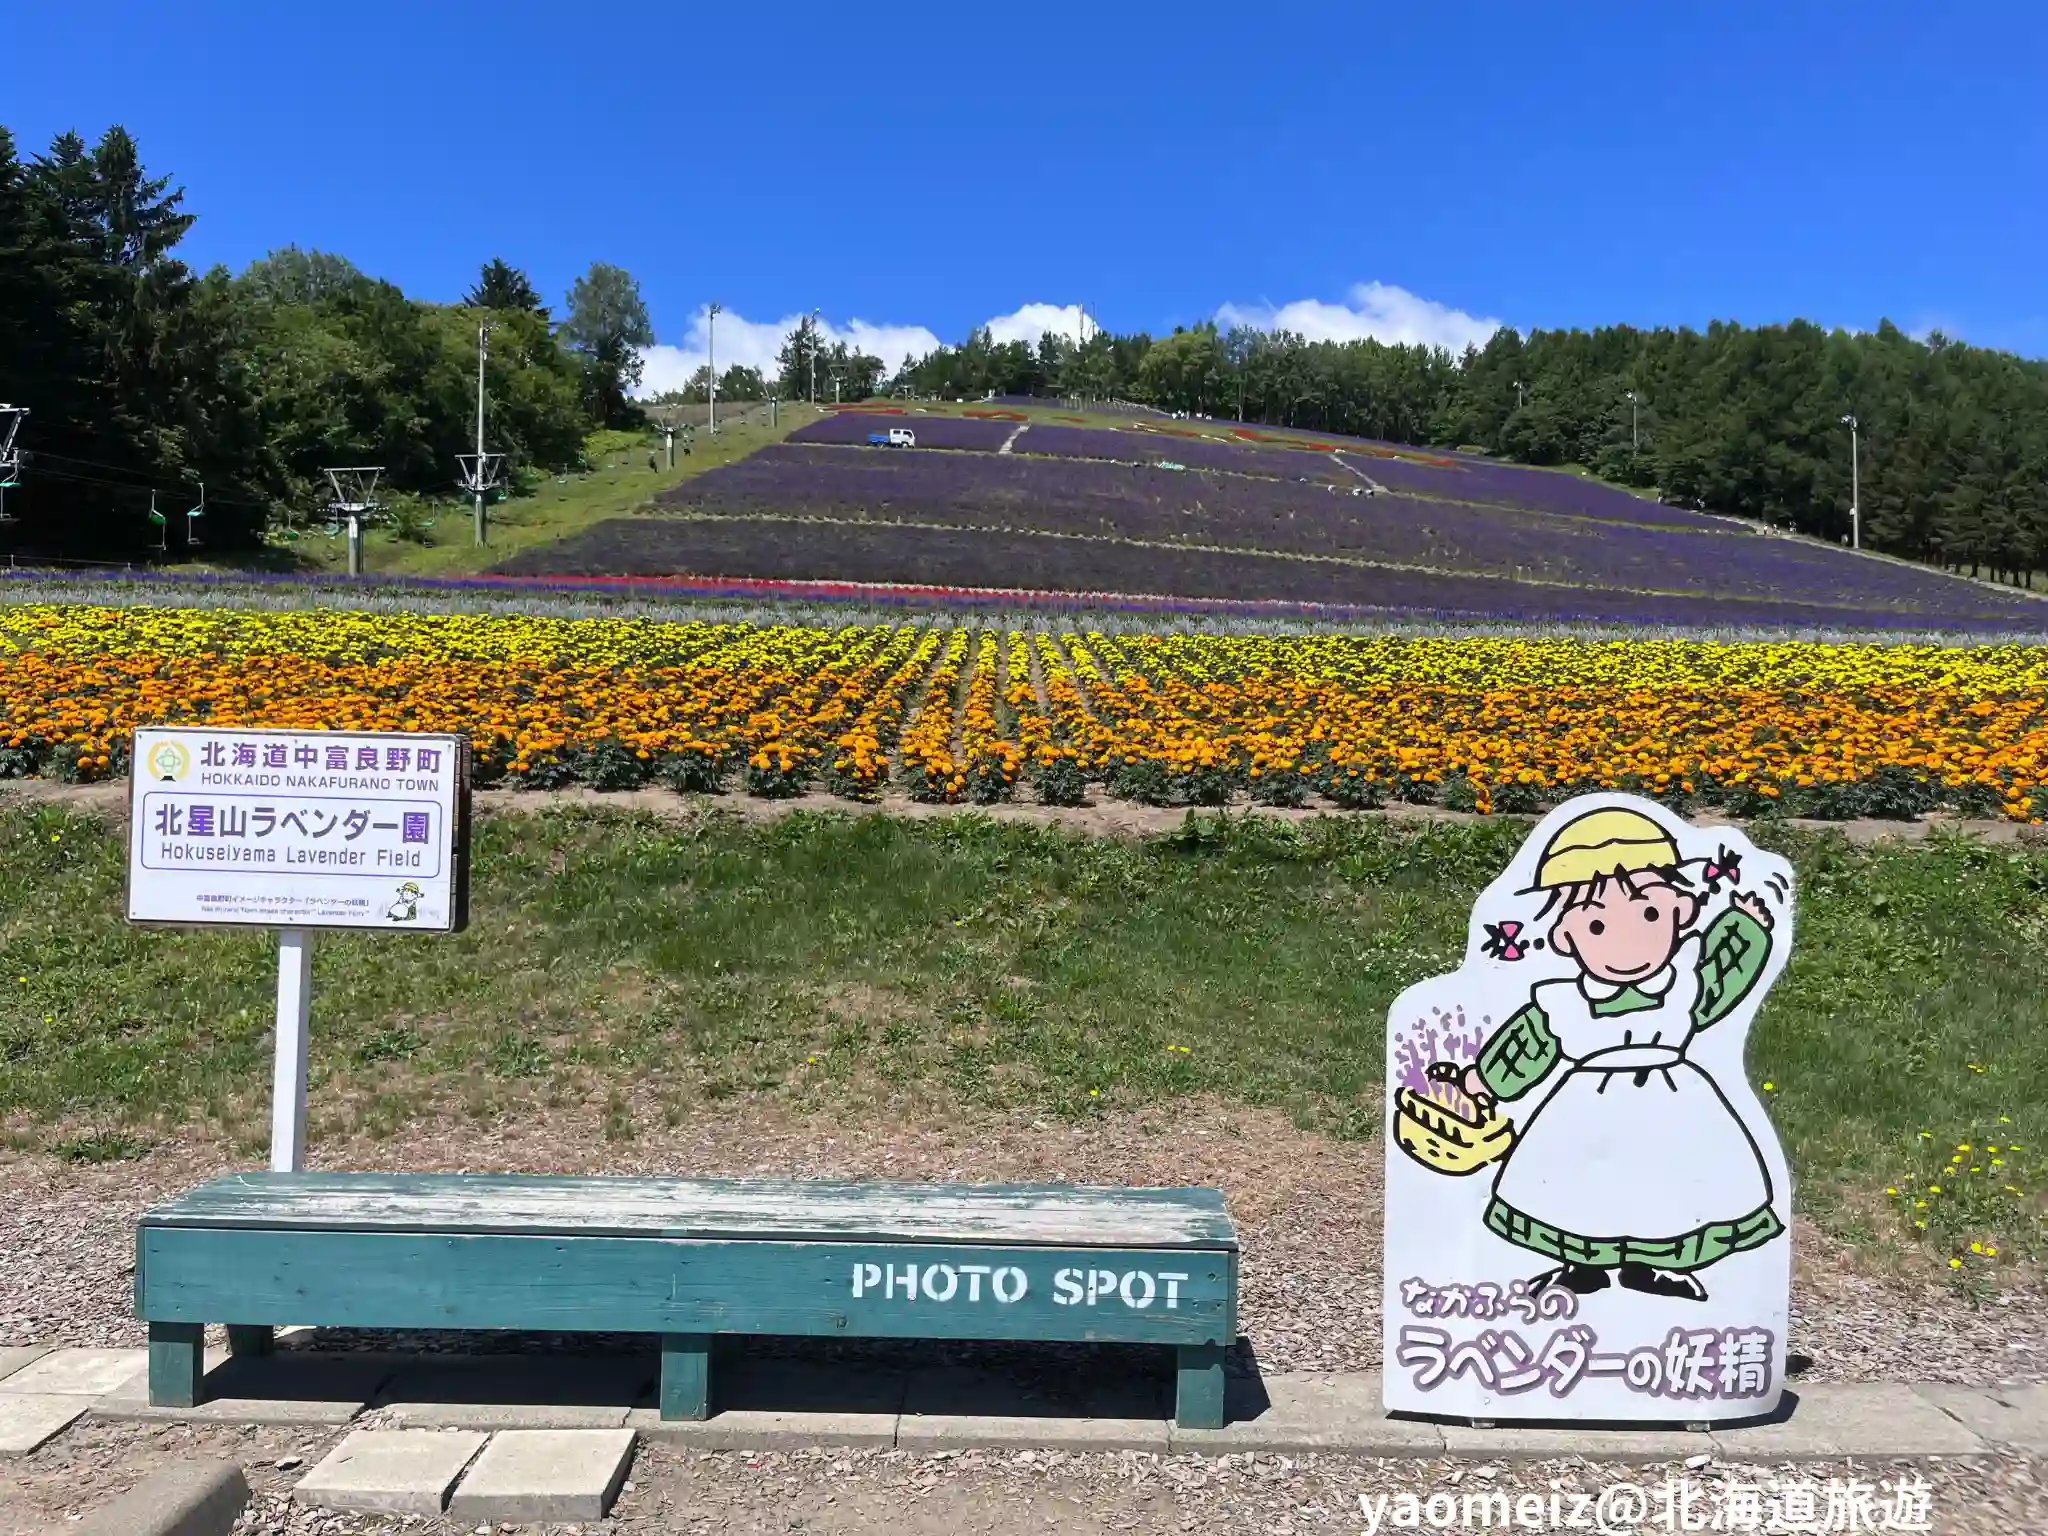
(1636,1167)
(407,908)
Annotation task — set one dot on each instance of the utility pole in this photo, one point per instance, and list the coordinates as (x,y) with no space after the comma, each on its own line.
(1634,442)
(711,363)
(1518,394)
(813,349)
(1855,486)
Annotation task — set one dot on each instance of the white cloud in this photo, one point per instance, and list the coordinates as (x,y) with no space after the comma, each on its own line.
(1378,310)
(1031,321)
(755,343)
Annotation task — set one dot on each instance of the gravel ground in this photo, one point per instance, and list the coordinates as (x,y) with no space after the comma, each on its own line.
(1307,1208)
(1008,1493)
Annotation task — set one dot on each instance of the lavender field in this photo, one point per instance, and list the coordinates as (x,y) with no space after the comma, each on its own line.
(882,552)
(1093,508)
(1460,478)
(1155,448)
(1139,503)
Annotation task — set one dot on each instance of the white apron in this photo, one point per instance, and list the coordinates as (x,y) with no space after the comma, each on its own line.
(1636,1141)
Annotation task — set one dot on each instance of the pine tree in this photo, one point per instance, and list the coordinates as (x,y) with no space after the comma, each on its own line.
(505,287)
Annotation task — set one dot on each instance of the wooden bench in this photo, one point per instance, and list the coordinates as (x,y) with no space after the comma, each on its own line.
(689,1259)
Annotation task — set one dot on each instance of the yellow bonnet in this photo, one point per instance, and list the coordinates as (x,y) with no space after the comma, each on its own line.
(1601,842)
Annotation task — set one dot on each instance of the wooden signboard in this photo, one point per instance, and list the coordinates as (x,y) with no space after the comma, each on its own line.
(1587,1207)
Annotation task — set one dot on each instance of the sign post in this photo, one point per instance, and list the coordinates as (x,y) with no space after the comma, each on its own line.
(288,1076)
(298,831)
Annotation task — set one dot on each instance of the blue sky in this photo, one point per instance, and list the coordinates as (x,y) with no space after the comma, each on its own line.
(1403,170)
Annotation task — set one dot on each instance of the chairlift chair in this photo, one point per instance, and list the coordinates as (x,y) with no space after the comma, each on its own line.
(10,456)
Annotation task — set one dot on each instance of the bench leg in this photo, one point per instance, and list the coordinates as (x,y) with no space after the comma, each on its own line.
(251,1339)
(177,1355)
(1198,1387)
(686,1375)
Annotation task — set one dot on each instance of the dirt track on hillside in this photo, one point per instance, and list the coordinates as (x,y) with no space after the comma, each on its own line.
(1104,818)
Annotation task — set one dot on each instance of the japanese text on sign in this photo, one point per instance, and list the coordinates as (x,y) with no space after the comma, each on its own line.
(298,829)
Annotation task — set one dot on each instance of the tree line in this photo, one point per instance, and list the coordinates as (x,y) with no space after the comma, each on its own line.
(146,380)
(1952,440)
(806,368)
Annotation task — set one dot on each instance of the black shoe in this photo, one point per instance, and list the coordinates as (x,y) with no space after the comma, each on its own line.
(1662,1282)
(1579,1279)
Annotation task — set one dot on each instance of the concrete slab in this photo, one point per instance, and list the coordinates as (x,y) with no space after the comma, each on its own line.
(1871,1418)
(522,1391)
(950,1407)
(298,1387)
(187,1498)
(14,1357)
(83,1373)
(526,1476)
(391,1471)
(27,1420)
(774,1404)
(2006,1415)
(1314,1411)
(1607,1444)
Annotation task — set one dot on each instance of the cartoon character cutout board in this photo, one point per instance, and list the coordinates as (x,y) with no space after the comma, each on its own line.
(1587,1207)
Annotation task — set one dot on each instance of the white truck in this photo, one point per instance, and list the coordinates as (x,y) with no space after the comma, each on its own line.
(895,437)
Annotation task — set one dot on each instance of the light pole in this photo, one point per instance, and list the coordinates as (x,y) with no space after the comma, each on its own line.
(711,363)
(813,349)
(1634,441)
(483,351)
(1855,487)
(1518,394)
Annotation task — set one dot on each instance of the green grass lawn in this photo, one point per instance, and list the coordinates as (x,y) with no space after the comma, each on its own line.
(830,958)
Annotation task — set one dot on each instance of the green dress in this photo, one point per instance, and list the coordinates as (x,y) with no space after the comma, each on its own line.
(1637,1156)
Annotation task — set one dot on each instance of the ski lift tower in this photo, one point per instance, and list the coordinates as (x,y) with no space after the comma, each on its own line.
(482,472)
(10,456)
(355,501)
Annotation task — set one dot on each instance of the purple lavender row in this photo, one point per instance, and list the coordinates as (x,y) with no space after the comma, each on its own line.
(1155,448)
(1133,501)
(1464,479)
(1155,580)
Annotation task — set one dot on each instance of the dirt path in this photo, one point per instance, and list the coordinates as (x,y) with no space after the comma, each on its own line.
(1106,817)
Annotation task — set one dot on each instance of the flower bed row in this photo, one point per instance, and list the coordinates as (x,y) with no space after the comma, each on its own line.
(964,713)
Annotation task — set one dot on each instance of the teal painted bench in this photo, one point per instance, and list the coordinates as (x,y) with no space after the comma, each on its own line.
(688,1260)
